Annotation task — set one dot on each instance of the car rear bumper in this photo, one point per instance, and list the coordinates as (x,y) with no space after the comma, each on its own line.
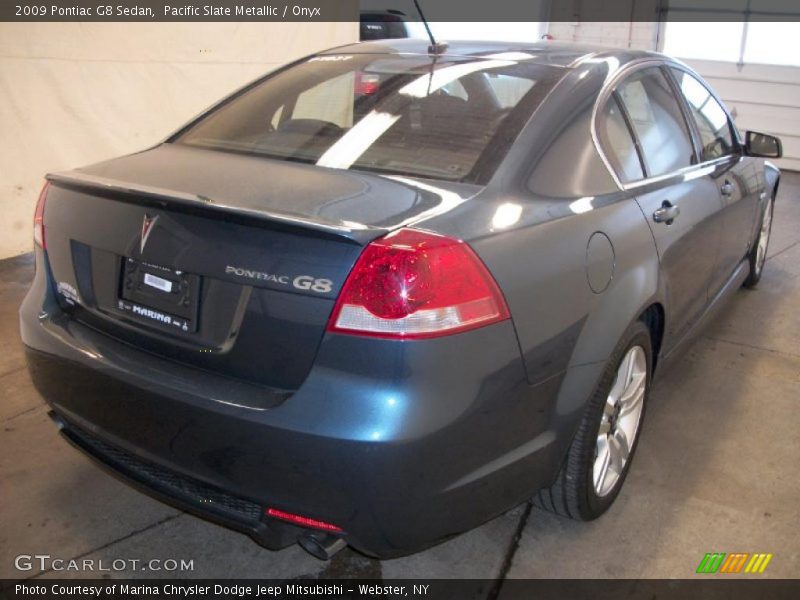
(182,492)
(400,444)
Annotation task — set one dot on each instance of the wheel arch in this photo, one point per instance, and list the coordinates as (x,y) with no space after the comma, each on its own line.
(772,177)
(655,319)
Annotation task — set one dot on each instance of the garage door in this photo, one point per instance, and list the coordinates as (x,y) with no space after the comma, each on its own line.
(754,65)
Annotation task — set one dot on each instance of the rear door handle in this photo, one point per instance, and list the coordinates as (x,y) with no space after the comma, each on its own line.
(727,189)
(667,213)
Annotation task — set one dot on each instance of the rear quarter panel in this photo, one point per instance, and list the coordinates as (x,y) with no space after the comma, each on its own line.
(543,270)
(567,331)
(532,227)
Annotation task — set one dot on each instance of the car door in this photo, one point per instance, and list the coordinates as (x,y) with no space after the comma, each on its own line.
(736,176)
(677,196)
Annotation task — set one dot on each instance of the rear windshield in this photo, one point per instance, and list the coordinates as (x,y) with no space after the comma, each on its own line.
(448,118)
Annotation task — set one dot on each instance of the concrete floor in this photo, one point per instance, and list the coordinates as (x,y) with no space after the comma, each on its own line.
(716,470)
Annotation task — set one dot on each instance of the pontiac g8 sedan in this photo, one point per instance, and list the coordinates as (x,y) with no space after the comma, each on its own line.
(388,292)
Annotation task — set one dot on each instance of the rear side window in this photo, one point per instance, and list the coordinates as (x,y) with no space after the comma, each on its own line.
(450,118)
(507,89)
(657,121)
(455,88)
(616,138)
(708,114)
(330,101)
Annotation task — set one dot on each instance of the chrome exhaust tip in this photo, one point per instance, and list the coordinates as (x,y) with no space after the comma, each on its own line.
(321,545)
(56,419)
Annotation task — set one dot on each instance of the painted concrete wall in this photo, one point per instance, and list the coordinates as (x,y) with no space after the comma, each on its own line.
(76,93)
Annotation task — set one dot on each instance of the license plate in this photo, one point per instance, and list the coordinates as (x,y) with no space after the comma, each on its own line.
(165,285)
(163,297)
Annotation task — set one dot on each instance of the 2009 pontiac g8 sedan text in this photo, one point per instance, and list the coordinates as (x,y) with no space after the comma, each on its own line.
(381,296)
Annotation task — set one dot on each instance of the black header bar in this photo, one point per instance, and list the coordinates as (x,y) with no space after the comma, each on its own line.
(723,587)
(435,10)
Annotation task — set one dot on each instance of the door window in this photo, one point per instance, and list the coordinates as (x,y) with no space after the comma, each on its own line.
(616,138)
(657,121)
(710,117)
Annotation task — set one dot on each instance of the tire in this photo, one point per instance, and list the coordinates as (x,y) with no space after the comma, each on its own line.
(758,253)
(575,493)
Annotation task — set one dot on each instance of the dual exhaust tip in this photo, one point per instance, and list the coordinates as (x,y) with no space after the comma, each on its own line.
(321,545)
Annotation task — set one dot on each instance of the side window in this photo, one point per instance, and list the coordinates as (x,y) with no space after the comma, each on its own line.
(507,89)
(331,100)
(616,139)
(710,117)
(276,118)
(455,88)
(657,121)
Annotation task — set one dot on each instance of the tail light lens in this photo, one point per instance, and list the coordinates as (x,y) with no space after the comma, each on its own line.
(38,218)
(414,284)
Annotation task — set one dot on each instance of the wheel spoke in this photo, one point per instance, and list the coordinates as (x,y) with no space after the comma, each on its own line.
(633,396)
(618,388)
(608,409)
(630,364)
(618,449)
(602,462)
(620,443)
(763,238)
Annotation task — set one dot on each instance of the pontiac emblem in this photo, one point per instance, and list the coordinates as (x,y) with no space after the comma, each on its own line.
(147,227)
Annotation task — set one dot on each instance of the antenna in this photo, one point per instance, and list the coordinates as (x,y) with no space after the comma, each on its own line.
(435,47)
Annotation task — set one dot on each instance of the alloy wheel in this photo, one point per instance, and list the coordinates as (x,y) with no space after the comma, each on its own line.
(619,424)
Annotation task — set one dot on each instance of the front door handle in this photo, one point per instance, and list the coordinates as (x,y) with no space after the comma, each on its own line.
(667,213)
(727,189)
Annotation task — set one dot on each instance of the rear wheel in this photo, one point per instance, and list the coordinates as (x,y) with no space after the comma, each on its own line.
(758,253)
(601,452)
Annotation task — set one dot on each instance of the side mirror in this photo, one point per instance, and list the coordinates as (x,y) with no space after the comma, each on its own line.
(762,144)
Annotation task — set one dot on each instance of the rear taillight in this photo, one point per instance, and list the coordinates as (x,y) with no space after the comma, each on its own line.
(303,521)
(38,218)
(415,284)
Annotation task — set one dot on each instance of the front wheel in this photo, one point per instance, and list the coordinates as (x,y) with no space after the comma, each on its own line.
(758,253)
(601,452)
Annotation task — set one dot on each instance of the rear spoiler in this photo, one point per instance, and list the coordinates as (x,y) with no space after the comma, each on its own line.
(202,205)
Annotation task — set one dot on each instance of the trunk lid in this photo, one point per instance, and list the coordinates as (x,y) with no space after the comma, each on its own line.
(224,262)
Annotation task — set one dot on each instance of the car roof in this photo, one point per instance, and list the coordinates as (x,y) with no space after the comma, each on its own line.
(560,54)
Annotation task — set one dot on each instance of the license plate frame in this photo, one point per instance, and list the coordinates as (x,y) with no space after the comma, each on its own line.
(160,296)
